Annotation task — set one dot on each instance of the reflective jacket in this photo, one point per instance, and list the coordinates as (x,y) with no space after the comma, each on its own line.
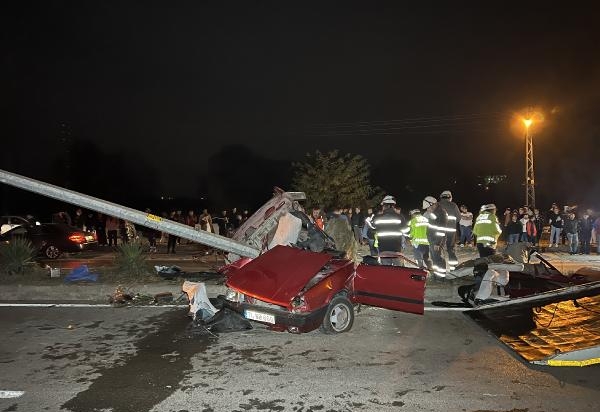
(487,229)
(418,230)
(390,227)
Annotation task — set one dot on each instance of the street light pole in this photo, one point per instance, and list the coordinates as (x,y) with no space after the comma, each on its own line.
(529,173)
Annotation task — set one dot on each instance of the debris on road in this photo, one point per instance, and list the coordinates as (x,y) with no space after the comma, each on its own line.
(81,274)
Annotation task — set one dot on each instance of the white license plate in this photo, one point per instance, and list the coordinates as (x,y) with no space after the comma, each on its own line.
(258,316)
(89,238)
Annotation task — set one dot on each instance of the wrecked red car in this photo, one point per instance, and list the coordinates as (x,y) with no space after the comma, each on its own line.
(288,288)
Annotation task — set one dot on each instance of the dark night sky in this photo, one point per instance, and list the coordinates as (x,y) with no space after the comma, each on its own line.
(179,81)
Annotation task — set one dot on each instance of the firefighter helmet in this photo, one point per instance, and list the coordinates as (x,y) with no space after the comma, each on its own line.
(428,201)
(489,206)
(446,194)
(388,200)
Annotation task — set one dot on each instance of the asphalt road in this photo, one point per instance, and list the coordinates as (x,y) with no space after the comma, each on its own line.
(147,359)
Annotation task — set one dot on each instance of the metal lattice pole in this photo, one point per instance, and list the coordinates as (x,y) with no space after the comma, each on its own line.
(529,173)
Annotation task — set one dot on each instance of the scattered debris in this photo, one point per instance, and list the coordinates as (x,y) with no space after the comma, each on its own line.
(81,274)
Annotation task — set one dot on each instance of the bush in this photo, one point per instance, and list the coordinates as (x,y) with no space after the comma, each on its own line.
(131,259)
(17,256)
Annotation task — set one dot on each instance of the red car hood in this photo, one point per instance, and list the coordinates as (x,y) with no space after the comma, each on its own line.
(278,275)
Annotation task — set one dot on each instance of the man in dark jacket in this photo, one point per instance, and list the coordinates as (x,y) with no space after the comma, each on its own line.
(556,225)
(389,227)
(586,224)
(572,231)
(452,217)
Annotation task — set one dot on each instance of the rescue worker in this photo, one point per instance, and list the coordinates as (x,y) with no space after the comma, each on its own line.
(452,215)
(389,229)
(435,236)
(487,230)
(338,228)
(418,238)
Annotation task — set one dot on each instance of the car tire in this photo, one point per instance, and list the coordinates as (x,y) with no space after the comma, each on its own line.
(52,252)
(339,316)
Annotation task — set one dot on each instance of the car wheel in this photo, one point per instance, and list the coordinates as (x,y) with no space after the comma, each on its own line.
(339,316)
(52,252)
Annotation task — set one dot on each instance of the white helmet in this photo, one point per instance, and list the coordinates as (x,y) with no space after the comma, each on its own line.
(489,206)
(388,200)
(414,212)
(428,201)
(446,194)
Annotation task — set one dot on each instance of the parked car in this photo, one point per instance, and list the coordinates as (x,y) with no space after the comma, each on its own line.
(52,239)
(10,222)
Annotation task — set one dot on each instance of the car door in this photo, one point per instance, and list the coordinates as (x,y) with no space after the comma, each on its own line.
(391,287)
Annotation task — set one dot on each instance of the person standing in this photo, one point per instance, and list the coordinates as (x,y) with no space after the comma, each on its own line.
(418,238)
(368,232)
(539,225)
(466,226)
(556,225)
(513,230)
(531,229)
(172,239)
(572,231)
(101,229)
(357,221)
(487,230)
(112,229)
(389,230)
(585,228)
(452,218)
(435,236)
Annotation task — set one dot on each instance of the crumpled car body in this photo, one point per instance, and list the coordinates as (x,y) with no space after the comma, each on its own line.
(289,288)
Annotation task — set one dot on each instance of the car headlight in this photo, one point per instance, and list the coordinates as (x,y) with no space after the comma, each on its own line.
(298,304)
(231,295)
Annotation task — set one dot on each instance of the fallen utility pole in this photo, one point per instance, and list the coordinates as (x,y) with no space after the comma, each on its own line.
(129,214)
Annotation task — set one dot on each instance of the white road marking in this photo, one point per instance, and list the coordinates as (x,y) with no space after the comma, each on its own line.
(443,309)
(82,305)
(11,394)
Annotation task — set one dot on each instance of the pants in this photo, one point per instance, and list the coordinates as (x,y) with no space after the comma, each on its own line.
(485,251)
(372,249)
(573,242)
(466,234)
(513,238)
(101,234)
(555,235)
(435,248)
(451,248)
(531,239)
(585,243)
(171,243)
(112,237)
(421,254)
(357,233)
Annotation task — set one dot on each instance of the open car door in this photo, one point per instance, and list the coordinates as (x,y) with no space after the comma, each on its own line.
(390,287)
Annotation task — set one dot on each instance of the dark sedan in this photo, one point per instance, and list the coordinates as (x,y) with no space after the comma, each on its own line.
(52,239)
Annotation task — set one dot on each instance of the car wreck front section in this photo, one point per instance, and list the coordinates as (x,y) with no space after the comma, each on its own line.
(297,290)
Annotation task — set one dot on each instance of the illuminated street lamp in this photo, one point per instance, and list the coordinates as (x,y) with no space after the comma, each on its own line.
(529,174)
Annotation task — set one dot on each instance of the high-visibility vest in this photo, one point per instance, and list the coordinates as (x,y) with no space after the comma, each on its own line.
(487,229)
(418,230)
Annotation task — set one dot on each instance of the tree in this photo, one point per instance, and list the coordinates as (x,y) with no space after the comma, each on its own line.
(332,180)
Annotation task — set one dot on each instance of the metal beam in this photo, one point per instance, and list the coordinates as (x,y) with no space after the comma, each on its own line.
(129,214)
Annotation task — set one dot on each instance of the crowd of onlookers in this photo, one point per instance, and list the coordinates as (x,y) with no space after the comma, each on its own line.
(579,230)
(111,231)
(567,226)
